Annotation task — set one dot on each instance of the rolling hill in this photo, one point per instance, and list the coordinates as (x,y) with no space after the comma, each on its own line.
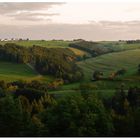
(107,63)
(111,62)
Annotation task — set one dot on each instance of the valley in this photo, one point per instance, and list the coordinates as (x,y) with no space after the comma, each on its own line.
(46,86)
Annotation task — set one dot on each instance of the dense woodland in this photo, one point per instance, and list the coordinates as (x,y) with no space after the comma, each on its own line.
(34,112)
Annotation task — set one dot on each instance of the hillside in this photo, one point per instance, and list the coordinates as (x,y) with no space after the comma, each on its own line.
(12,71)
(108,64)
(111,62)
(103,47)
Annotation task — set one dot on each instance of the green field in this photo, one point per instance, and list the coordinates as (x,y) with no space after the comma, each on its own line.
(43,43)
(111,62)
(120,46)
(12,71)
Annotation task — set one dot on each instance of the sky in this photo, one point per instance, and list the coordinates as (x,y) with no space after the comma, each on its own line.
(96,21)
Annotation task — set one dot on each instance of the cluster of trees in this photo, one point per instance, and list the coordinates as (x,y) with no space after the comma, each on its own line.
(119,72)
(139,68)
(98,75)
(83,114)
(126,111)
(132,41)
(14,53)
(92,48)
(59,62)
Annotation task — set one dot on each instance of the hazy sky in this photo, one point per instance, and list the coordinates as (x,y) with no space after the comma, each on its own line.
(65,20)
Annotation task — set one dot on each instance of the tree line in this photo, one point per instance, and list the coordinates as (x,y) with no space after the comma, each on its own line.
(93,48)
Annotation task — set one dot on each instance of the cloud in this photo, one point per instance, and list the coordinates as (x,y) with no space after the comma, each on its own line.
(28,11)
(32,16)
(116,24)
(30,6)
(97,31)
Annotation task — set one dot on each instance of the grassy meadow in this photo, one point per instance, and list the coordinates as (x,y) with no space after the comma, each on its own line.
(12,71)
(111,62)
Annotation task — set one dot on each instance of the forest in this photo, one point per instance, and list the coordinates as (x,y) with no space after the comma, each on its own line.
(34,112)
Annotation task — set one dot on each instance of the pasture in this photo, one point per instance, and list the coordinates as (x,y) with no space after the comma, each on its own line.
(111,62)
(12,71)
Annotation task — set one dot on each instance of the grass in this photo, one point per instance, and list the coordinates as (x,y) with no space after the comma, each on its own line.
(78,52)
(120,46)
(107,63)
(116,46)
(101,93)
(43,43)
(112,62)
(12,71)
